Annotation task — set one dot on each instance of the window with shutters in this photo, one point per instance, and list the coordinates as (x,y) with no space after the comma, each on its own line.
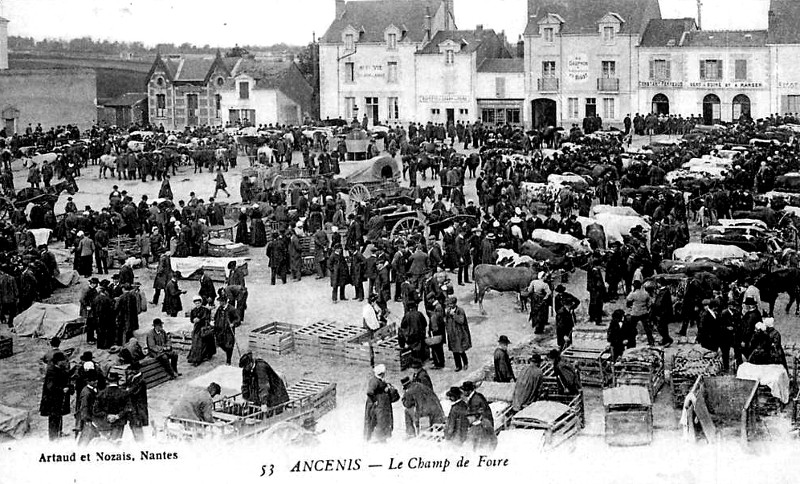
(792,104)
(573,108)
(740,70)
(393,108)
(161,105)
(500,87)
(244,90)
(711,69)
(549,69)
(548,34)
(350,72)
(349,107)
(391,72)
(609,108)
(660,70)
(609,69)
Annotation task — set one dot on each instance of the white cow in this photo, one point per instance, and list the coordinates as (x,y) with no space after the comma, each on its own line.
(509,258)
(627,211)
(136,146)
(617,226)
(694,251)
(267,153)
(578,245)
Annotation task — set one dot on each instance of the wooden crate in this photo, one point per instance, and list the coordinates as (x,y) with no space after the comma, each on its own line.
(181,340)
(332,343)
(594,363)
(322,395)
(388,352)
(765,403)
(357,351)
(309,266)
(6,347)
(684,375)
(229,251)
(221,232)
(273,339)
(557,420)
(306,339)
(497,392)
(307,246)
(649,375)
(628,416)
(153,372)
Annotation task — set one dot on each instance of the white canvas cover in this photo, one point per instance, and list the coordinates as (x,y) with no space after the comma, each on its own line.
(46,320)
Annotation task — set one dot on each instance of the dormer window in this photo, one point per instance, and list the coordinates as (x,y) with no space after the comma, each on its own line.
(391,41)
(450,57)
(609,34)
(349,41)
(548,34)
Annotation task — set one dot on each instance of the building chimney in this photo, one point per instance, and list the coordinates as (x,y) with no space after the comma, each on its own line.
(479,28)
(427,25)
(700,14)
(520,47)
(340,8)
(449,15)
(3,44)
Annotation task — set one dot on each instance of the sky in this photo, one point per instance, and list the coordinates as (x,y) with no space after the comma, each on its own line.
(265,22)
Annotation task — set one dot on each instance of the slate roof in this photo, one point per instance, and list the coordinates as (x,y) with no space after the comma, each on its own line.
(726,38)
(581,16)
(660,32)
(268,75)
(503,66)
(4,20)
(374,16)
(470,40)
(784,27)
(126,100)
(191,68)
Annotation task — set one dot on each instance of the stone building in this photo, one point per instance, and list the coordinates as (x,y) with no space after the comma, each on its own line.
(124,110)
(783,40)
(500,91)
(580,58)
(447,74)
(52,96)
(367,58)
(718,75)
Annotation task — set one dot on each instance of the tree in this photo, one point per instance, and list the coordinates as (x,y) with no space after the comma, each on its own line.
(238,52)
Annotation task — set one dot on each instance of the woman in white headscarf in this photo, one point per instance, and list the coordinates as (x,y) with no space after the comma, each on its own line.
(378,417)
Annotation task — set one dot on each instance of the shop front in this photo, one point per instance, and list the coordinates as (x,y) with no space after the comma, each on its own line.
(501,111)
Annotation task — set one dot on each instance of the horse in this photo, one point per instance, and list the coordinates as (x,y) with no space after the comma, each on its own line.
(781,281)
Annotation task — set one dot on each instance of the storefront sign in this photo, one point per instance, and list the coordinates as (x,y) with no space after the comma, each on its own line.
(370,71)
(500,103)
(726,85)
(443,98)
(790,85)
(660,83)
(578,68)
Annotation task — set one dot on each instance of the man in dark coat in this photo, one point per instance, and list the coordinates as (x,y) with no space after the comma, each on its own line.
(55,394)
(708,330)
(456,429)
(565,322)
(207,291)
(278,253)
(419,374)
(321,252)
(226,319)
(621,334)
(104,313)
(172,297)
(358,265)
(503,372)
(529,384)
(597,292)
(378,416)
(661,313)
(337,266)
(163,275)
(127,309)
(261,385)
(295,256)
(459,339)
(413,328)
(482,432)
(420,402)
(112,408)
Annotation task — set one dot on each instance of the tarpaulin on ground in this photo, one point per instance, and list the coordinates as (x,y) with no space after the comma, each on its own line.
(67,279)
(375,169)
(46,320)
(189,265)
(14,422)
(773,376)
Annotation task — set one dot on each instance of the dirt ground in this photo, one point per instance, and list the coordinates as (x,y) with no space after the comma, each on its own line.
(305,302)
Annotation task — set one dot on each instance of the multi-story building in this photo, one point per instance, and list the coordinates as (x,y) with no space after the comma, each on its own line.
(718,75)
(580,58)
(447,73)
(783,40)
(187,90)
(196,90)
(367,57)
(500,92)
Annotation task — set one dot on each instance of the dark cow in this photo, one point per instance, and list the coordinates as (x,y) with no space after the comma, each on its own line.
(766,215)
(555,260)
(597,236)
(501,279)
(781,281)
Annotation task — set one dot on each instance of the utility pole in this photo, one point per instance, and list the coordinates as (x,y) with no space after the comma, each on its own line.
(700,14)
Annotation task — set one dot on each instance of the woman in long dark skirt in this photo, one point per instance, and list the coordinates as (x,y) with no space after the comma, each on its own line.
(203,344)
(242,234)
(258,229)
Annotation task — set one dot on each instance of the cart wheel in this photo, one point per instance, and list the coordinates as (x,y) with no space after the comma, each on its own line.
(276,182)
(408,226)
(358,193)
